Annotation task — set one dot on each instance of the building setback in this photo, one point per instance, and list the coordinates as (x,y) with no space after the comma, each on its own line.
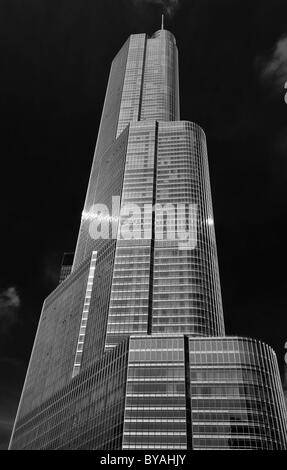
(131,351)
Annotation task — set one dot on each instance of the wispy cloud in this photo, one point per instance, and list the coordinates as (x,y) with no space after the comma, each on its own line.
(169,7)
(274,66)
(9,307)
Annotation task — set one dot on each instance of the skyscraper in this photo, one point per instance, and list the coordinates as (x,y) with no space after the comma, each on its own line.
(131,351)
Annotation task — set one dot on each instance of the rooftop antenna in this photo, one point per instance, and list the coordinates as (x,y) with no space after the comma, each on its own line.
(162,21)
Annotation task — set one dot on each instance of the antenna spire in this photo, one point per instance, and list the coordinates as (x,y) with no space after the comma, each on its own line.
(162,21)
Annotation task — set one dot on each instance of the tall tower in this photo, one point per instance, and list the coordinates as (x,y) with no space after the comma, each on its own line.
(131,351)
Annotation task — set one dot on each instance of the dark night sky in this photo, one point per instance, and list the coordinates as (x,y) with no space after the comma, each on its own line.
(55,62)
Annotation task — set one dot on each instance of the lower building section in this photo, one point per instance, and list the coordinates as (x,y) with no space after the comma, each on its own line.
(236,396)
(166,392)
(156,399)
(88,413)
(203,393)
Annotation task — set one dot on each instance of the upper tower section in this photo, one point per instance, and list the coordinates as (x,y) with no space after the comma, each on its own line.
(143,86)
(151,84)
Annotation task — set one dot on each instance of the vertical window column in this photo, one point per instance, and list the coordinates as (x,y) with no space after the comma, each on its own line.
(85,314)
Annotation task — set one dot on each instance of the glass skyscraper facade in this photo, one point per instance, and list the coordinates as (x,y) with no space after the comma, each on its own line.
(131,351)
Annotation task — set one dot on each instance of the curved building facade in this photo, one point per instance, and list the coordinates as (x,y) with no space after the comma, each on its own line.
(166,278)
